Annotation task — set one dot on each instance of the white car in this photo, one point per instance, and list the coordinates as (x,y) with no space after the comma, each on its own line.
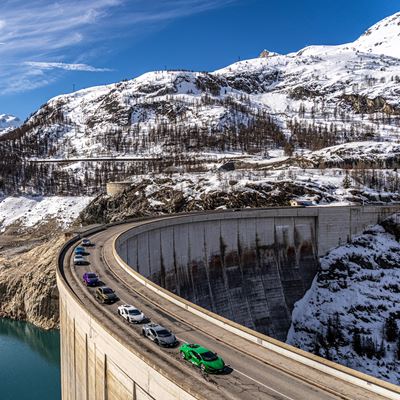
(79,260)
(131,314)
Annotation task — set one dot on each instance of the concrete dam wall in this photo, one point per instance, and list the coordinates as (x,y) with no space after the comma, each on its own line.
(248,266)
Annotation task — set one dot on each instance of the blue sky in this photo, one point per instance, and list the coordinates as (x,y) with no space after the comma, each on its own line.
(48,48)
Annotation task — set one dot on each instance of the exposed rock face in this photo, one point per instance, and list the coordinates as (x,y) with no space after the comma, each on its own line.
(302,93)
(28,288)
(365,105)
(164,195)
(267,53)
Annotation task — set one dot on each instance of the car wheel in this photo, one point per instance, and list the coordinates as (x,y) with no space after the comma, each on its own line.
(156,341)
(203,368)
(119,312)
(143,332)
(182,354)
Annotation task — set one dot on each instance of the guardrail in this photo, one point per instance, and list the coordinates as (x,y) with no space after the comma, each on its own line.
(360,379)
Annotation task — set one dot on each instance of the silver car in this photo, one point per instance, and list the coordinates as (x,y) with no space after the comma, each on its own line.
(79,260)
(159,335)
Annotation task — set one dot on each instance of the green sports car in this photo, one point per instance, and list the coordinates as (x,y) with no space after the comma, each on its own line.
(201,357)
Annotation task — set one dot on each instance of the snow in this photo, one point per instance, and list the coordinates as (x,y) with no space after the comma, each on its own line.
(322,187)
(174,98)
(365,151)
(29,211)
(8,122)
(382,38)
(358,282)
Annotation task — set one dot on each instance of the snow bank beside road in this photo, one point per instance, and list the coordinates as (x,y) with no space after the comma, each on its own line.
(28,211)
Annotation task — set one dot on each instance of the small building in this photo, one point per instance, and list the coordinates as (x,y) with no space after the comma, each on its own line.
(301,203)
(114,188)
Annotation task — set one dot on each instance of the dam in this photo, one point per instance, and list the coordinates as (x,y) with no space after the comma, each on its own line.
(249,267)
(227,280)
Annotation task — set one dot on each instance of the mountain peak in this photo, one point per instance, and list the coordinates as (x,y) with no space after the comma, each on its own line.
(382,38)
(266,53)
(8,122)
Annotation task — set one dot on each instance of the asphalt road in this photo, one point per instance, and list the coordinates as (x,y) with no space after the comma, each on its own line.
(270,377)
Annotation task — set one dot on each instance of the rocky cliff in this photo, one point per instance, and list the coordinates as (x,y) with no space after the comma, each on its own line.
(351,313)
(28,287)
(31,234)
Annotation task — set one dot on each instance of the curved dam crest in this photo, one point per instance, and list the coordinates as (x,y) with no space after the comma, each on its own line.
(248,268)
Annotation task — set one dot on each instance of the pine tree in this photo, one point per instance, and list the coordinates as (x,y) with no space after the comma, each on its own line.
(391,328)
(288,149)
(381,351)
(346,181)
(398,348)
(369,347)
(357,343)
(330,333)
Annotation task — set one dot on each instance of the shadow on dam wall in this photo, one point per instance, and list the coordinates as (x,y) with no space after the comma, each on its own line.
(251,274)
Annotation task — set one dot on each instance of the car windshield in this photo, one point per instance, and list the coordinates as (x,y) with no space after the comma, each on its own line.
(163,333)
(91,276)
(107,291)
(209,356)
(134,312)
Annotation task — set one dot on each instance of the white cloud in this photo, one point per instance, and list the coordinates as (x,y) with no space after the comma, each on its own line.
(64,66)
(64,35)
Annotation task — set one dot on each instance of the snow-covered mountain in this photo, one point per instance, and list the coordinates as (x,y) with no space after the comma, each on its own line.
(8,122)
(316,97)
(382,38)
(350,314)
(28,212)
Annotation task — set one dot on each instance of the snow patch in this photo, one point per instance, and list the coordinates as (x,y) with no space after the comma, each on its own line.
(28,211)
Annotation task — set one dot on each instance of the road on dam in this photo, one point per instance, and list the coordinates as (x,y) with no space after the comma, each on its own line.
(254,372)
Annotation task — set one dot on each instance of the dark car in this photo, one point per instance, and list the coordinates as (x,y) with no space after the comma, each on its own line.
(90,279)
(106,295)
(86,243)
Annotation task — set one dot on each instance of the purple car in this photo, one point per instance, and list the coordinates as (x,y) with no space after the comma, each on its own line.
(90,279)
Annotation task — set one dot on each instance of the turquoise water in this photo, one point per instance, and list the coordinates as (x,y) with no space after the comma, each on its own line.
(29,362)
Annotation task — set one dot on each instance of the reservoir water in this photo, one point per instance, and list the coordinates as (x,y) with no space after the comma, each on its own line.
(29,362)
